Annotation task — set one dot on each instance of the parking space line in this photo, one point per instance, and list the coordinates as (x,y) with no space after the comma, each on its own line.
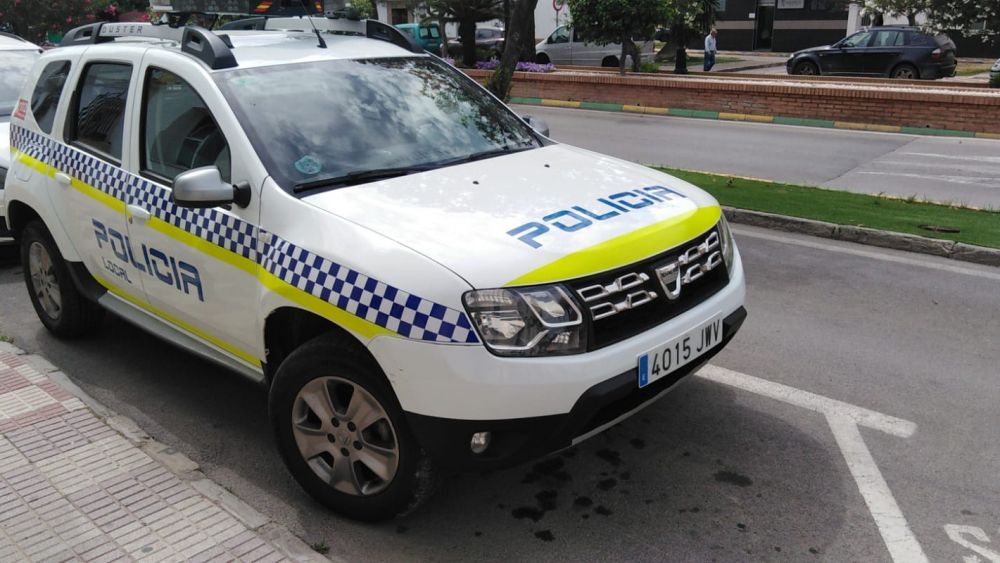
(811,401)
(742,232)
(896,532)
(844,420)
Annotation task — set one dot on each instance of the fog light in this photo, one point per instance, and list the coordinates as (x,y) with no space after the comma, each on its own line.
(480,441)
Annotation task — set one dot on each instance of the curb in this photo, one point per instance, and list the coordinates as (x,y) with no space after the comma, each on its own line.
(183,467)
(863,235)
(726,116)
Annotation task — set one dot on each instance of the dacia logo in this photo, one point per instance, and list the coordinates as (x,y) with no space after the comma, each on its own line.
(689,267)
(579,217)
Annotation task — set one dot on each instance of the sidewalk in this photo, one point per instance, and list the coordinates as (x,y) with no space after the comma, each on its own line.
(78,482)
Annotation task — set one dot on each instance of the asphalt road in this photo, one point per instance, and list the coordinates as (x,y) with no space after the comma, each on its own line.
(710,472)
(951,170)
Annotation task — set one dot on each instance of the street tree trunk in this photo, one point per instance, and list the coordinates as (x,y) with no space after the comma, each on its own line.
(522,22)
(467,34)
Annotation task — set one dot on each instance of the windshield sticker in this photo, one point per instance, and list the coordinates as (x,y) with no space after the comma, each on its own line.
(22,109)
(308,165)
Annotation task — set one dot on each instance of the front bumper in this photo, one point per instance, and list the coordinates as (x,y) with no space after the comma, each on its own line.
(515,441)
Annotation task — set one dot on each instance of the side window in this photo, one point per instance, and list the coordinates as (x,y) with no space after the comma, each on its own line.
(560,35)
(48,91)
(888,39)
(178,131)
(99,115)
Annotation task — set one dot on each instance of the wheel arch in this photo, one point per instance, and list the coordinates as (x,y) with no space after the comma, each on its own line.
(286,328)
(20,213)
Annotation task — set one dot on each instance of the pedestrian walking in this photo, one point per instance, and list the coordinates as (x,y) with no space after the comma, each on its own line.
(710,49)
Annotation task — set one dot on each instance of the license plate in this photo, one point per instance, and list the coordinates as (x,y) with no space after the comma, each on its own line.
(679,352)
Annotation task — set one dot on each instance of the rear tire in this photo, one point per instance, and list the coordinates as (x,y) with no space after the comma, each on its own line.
(343,435)
(805,68)
(905,72)
(63,310)
(610,62)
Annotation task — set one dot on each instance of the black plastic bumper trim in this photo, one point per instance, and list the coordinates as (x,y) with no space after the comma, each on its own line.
(515,441)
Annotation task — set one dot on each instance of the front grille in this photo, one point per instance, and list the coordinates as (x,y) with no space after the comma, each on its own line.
(629,300)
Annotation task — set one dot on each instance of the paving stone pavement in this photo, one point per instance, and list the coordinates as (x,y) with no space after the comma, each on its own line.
(74,488)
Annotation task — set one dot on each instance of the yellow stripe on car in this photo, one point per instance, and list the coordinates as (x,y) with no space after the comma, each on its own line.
(625,249)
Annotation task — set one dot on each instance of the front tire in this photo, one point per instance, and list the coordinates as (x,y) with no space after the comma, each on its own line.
(805,68)
(542,59)
(63,310)
(343,435)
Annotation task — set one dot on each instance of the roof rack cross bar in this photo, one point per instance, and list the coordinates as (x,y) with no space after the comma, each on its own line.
(195,41)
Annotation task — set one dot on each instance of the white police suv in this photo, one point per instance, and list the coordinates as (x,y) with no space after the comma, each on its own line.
(422,282)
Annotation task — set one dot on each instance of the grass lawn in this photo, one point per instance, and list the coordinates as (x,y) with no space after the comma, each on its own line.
(845,208)
(971,69)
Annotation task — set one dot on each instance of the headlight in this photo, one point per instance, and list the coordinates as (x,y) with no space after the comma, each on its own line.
(529,321)
(728,246)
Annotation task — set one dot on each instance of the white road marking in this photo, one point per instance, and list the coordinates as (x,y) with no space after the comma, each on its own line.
(844,419)
(979,159)
(958,533)
(811,401)
(868,254)
(970,180)
(896,533)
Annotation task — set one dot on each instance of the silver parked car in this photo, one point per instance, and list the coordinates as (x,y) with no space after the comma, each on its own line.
(565,47)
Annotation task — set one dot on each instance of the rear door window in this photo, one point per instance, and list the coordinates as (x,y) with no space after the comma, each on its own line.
(888,39)
(98,118)
(48,92)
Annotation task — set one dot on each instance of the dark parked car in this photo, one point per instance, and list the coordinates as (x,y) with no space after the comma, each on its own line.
(487,39)
(896,52)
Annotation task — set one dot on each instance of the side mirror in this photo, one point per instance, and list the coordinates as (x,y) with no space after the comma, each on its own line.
(204,187)
(537,124)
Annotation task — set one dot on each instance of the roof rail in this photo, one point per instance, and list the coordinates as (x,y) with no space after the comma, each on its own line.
(209,48)
(375,29)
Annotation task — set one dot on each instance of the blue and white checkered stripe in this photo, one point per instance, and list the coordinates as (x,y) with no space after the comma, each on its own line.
(366,297)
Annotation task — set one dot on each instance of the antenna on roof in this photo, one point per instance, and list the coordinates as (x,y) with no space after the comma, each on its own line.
(319,36)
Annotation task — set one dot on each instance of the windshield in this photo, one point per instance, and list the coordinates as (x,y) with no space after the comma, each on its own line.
(320,124)
(14,67)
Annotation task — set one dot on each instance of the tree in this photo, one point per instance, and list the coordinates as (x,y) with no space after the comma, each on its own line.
(973,18)
(467,13)
(365,8)
(692,18)
(899,8)
(620,21)
(35,19)
(521,27)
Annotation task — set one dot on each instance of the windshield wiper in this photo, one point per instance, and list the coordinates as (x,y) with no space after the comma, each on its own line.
(359,177)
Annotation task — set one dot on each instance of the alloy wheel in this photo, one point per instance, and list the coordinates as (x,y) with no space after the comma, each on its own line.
(44,283)
(345,436)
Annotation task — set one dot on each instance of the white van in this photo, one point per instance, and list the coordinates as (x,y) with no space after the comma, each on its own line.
(566,47)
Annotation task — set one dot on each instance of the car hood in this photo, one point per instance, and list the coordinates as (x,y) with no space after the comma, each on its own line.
(4,143)
(538,216)
(813,50)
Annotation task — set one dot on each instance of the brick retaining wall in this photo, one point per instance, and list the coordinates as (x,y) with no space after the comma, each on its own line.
(974,111)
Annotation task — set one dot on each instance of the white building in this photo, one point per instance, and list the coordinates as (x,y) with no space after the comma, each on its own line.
(547,16)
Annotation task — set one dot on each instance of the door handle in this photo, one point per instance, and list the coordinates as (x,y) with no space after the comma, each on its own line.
(140,214)
(63,179)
